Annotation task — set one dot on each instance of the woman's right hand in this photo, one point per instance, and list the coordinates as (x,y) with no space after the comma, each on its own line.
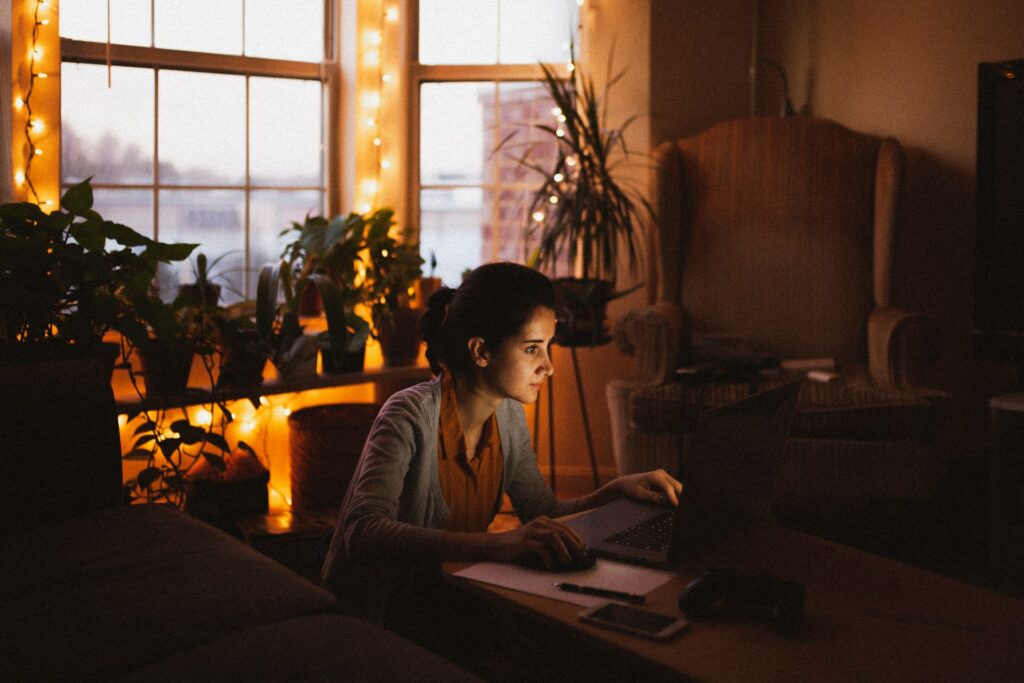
(555,543)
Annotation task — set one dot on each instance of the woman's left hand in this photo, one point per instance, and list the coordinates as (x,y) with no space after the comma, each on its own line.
(654,487)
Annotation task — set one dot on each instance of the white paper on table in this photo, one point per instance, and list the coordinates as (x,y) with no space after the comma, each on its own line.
(608,574)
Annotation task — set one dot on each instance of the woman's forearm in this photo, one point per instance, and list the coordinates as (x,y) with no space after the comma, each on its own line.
(469,546)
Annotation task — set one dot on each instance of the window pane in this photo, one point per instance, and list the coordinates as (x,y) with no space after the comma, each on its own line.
(450,223)
(106,133)
(504,226)
(133,208)
(87,20)
(216,220)
(285,30)
(202,128)
(285,132)
(199,25)
(458,31)
(272,211)
(534,31)
(523,106)
(453,143)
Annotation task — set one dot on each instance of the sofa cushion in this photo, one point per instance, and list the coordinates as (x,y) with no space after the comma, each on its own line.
(325,647)
(106,593)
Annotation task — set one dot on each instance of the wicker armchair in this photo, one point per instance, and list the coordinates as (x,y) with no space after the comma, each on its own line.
(781,232)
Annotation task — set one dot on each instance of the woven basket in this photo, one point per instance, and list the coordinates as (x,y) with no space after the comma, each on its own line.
(325,443)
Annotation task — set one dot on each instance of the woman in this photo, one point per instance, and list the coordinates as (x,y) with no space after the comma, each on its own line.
(441,454)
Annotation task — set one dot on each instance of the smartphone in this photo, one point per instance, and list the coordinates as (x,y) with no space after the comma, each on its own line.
(634,620)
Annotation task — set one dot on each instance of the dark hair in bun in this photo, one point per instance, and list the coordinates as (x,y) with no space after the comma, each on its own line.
(493,302)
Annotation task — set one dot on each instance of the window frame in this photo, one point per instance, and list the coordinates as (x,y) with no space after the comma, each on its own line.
(420,74)
(327,72)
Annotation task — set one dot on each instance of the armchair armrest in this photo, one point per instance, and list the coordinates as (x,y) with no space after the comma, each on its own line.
(654,336)
(902,345)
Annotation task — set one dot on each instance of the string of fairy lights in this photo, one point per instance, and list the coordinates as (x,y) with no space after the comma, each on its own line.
(34,125)
(379,80)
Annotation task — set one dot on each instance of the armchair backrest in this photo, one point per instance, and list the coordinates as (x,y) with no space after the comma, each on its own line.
(779,230)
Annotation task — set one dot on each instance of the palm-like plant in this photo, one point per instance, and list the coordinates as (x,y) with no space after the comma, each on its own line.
(581,208)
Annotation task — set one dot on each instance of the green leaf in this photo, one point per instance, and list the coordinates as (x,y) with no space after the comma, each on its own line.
(247,448)
(215,439)
(178,251)
(138,454)
(89,234)
(147,426)
(78,198)
(148,476)
(215,460)
(124,235)
(169,446)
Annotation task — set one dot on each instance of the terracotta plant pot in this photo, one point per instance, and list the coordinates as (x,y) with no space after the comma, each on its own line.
(399,336)
(324,445)
(241,365)
(166,366)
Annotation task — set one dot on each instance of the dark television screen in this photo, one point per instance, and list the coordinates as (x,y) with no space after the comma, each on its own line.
(999,251)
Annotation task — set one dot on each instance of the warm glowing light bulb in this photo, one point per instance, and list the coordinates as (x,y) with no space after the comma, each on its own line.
(557,111)
(248,425)
(579,3)
(553,199)
(45,22)
(37,125)
(385,164)
(19,177)
(264,401)
(371,58)
(560,133)
(571,67)
(377,142)
(364,208)
(204,417)
(538,216)
(371,99)
(48,202)
(122,420)
(37,151)
(371,122)
(391,14)
(368,187)
(43,74)
(372,37)
(386,78)
(570,161)
(37,52)
(18,103)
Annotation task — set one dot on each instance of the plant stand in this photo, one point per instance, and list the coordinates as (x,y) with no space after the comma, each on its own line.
(551,417)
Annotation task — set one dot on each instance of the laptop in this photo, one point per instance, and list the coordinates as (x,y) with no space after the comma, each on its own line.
(727,484)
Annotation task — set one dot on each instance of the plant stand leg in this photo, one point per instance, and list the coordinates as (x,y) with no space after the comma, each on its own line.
(551,433)
(586,420)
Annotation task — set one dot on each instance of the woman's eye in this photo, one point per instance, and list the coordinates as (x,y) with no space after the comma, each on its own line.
(531,350)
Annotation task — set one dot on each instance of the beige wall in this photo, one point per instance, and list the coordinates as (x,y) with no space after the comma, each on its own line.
(908,70)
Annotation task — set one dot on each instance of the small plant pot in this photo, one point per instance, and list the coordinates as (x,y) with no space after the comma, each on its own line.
(399,336)
(299,362)
(351,361)
(425,288)
(324,443)
(310,303)
(241,366)
(201,296)
(582,311)
(223,503)
(166,366)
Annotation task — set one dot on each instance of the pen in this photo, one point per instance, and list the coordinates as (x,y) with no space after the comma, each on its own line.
(634,598)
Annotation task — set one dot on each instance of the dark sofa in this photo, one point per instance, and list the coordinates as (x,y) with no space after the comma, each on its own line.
(91,589)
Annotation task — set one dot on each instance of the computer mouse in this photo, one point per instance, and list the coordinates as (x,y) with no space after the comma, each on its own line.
(584,560)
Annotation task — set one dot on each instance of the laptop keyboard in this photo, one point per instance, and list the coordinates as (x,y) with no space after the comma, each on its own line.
(654,534)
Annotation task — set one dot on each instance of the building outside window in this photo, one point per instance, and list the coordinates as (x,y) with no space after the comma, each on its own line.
(212,127)
(470,93)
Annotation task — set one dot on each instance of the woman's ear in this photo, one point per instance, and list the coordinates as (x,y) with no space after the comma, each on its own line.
(478,351)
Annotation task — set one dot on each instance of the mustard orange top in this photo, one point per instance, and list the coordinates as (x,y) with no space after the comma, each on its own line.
(471,488)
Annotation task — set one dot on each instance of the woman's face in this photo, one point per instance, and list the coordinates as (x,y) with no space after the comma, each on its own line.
(519,366)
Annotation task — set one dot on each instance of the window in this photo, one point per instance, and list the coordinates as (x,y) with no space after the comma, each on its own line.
(211,128)
(469,95)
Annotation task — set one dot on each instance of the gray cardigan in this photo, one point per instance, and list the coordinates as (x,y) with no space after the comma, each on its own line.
(393,512)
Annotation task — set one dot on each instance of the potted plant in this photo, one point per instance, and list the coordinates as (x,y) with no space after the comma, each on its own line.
(69,276)
(207,282)
(581,210)
(393,269)
(324,257)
